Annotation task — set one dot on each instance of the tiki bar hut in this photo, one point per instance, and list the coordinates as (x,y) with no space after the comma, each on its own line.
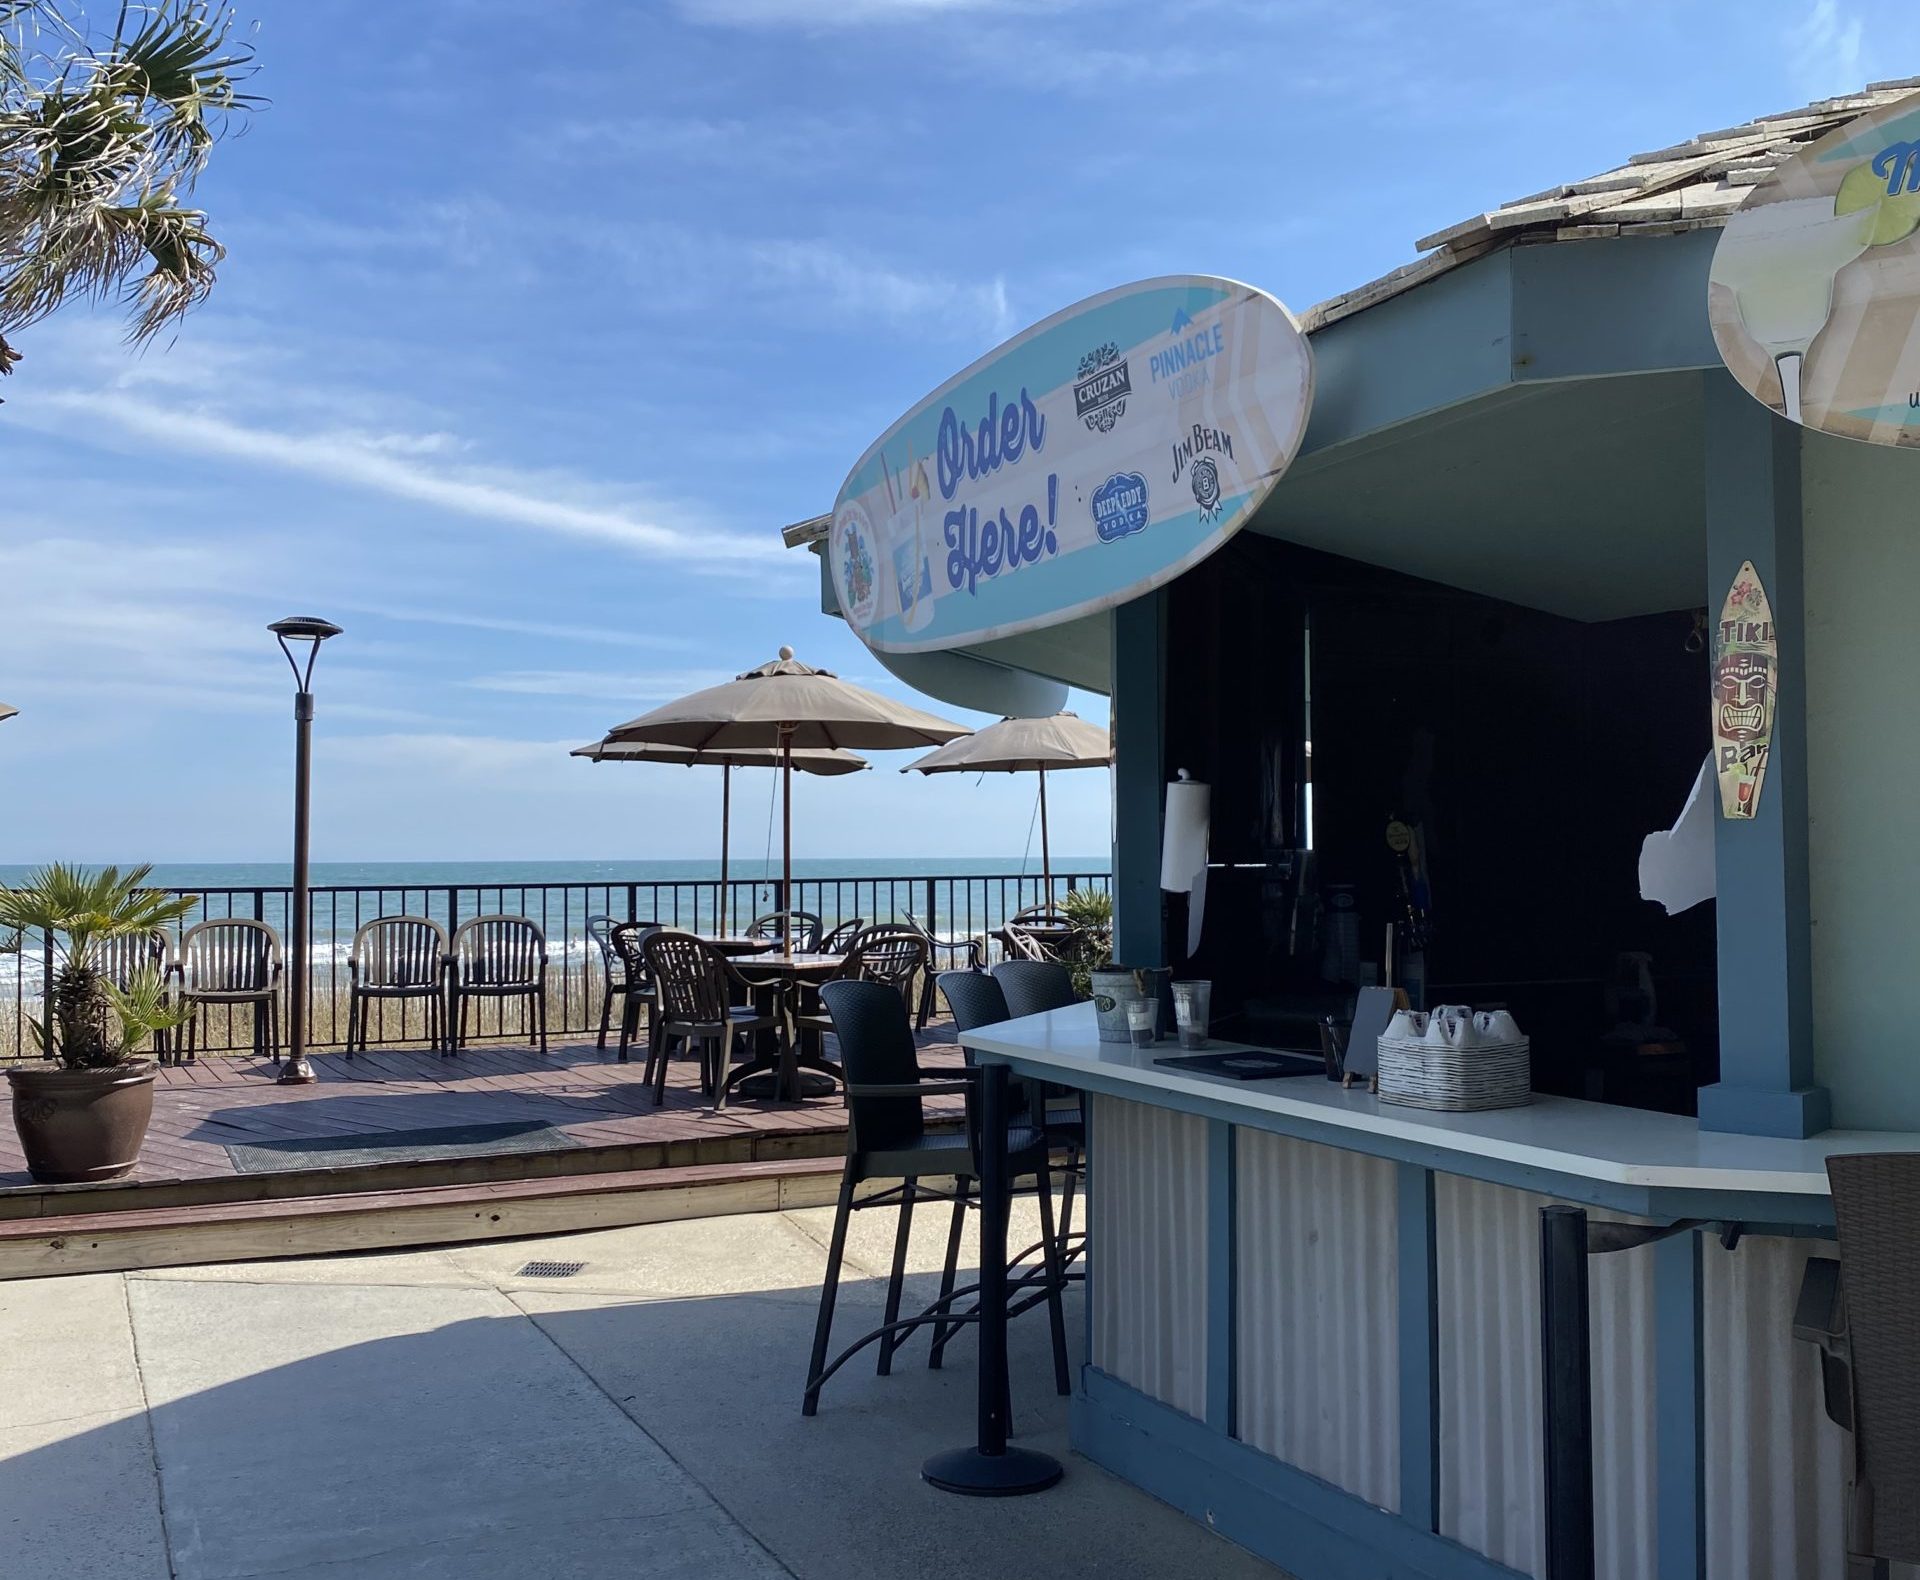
(1534,628)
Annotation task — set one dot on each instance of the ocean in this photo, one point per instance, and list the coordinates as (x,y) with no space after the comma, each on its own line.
(952,895)
(491,874)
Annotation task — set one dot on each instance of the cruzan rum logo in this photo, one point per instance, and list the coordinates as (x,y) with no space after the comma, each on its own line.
(1100,392)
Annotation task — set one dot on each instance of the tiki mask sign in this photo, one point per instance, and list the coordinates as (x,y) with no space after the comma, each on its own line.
(1746,660)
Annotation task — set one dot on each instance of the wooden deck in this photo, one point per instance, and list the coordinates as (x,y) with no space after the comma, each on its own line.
(595,1101)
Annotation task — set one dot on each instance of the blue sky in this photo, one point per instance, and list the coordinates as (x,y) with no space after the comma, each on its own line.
(539,322)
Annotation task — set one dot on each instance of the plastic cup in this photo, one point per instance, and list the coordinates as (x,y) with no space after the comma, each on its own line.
(1141,1015)
(1192,1012)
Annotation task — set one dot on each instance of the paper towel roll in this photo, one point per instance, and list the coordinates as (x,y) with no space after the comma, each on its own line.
(1183,848)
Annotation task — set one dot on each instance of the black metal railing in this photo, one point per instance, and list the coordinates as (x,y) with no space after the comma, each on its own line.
(958,905)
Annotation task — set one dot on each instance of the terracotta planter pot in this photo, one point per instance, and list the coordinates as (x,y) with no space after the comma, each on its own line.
(78,1125)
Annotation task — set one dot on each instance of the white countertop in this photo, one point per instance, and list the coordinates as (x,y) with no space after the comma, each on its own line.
(1627,1147)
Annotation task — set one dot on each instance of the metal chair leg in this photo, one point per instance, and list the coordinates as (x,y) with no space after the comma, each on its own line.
(606,1017)
(660,1077)
(942,1331)
(884,1365)
(1069,1179)
(1050,1256)
(829,1291)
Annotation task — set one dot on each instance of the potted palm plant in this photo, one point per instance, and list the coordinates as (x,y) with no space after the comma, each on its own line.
(82,1111)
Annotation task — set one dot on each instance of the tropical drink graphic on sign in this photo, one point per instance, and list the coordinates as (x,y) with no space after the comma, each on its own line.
(1814,295)
(1086,461)
(1746,661)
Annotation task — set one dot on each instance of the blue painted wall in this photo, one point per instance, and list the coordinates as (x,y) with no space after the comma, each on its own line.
(1862,543)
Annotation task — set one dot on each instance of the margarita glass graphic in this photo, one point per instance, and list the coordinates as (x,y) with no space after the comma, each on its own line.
(910,567)
(1779,260)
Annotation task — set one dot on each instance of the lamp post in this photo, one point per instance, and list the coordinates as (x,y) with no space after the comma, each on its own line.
(291,633)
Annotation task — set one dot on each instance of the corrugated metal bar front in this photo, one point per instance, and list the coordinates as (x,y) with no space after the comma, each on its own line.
(1491,1493)
(1319,1380)
(1148,1223)
(1776,1466)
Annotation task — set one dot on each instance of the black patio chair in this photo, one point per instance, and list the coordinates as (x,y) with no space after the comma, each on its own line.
(499,958)
(941,953)
(841,938)
(772,927)
(975,1000)
(1861,1311)
(126,957)
(600,935)
(888,953)
(393,959)
(693,989)
(231,960)
(887,1139)
(628,946)
(1034,986)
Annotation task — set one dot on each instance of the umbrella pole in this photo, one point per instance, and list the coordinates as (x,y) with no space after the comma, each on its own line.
(1046,855)
(726,830)
(786,837)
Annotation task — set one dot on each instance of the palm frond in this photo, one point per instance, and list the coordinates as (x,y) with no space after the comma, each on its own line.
(82,907)
(100,146)
(142,1008)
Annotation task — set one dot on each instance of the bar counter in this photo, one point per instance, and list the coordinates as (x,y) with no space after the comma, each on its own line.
(1314,1321)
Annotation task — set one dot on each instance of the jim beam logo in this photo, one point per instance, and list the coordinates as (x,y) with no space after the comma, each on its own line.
(1746,662)
(1100,392)
(1197,455)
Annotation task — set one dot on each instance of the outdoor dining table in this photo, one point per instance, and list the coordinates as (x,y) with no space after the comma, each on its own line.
(785,1068)
(733,947)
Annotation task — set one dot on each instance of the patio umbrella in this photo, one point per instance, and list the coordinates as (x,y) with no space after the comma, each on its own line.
(807,762)
(1025,746)
(7,712)
(790,707)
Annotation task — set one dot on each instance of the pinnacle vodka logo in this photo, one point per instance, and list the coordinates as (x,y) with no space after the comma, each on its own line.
(1185,367)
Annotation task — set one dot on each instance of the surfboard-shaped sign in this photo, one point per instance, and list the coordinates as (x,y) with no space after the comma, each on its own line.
(1088,460)
(1746,662)
(1814,294)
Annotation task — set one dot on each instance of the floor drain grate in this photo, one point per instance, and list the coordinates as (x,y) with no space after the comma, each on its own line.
(550,1269)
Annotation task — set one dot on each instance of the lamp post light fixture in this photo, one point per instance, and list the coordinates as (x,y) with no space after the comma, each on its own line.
(292,632)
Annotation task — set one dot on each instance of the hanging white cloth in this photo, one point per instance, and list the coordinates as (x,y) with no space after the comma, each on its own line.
(1676,866)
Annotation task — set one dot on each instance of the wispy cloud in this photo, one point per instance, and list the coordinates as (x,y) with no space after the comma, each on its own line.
(825,13)
(853,287)
(770,145)
(154,632)
(400,468)
(1826,46)
(454,758)
(642,690)
(506,626)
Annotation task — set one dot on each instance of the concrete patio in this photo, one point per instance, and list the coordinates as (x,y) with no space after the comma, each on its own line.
(439,1414)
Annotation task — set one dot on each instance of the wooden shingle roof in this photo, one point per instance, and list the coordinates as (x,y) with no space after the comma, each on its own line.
(1689,186)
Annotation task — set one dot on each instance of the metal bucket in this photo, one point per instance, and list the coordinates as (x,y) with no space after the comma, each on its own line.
(1114,985)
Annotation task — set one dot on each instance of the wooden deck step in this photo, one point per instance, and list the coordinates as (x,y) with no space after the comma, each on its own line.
(387,1220)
